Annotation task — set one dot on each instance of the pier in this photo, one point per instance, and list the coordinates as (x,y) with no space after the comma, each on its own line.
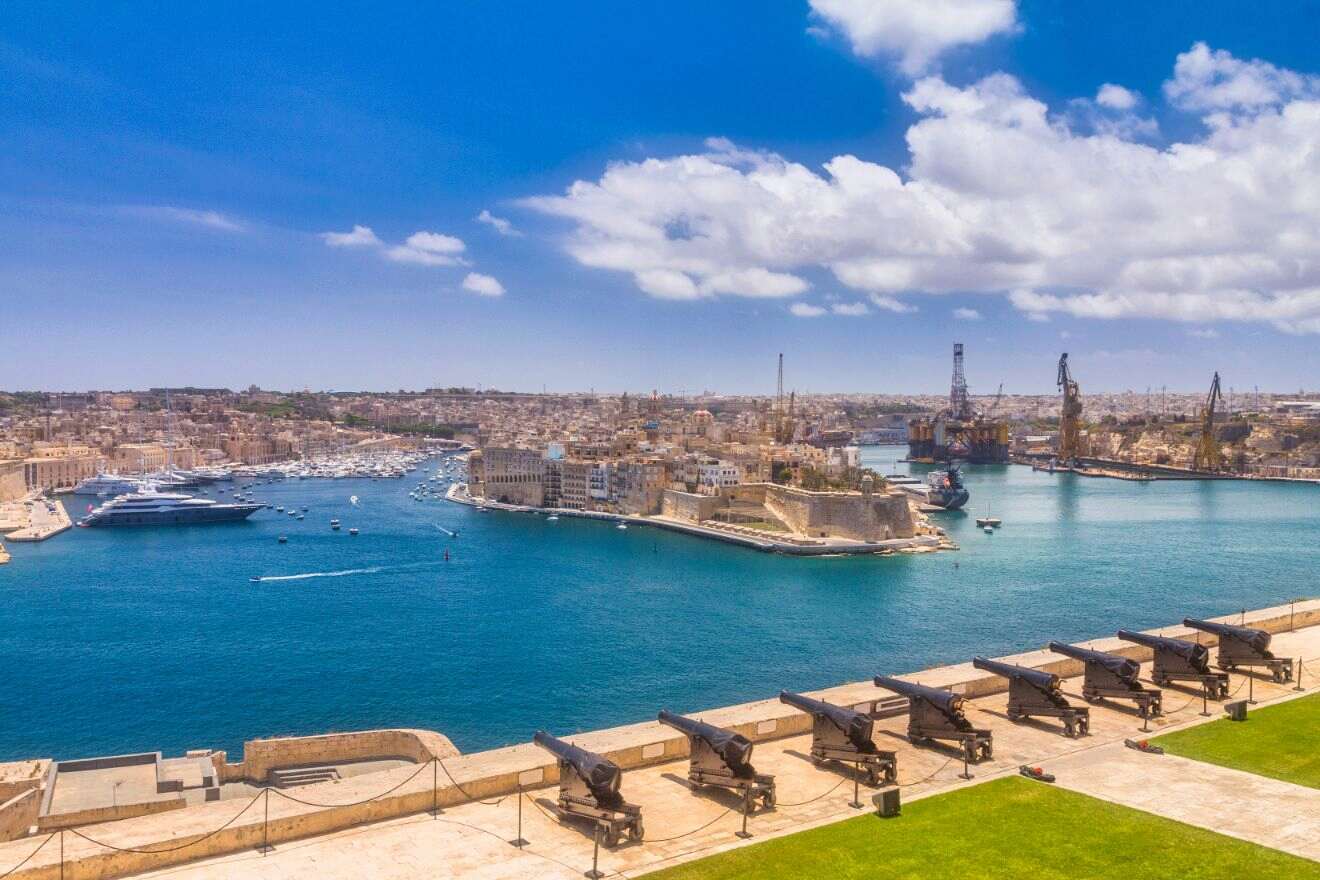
(36,519)
(378,823)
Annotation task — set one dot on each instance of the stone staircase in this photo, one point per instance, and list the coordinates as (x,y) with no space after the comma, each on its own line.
(294,776)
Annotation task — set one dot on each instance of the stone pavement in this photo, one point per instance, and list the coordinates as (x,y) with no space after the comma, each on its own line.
(469,840)
(1267,811)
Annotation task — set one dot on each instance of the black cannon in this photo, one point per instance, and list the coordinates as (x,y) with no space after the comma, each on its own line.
(1179,660)
(722,757)
(934,713)
(589,789)
(1112,676)
(1035,692)
(1244,646)
(842,734)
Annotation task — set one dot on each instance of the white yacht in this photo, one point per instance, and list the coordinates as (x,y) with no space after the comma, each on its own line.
(108,484)
(151,508)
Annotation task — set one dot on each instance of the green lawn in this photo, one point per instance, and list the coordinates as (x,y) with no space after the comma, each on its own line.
(1007,829)
(1282,742)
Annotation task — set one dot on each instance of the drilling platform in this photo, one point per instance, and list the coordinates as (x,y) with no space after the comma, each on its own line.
(958,433)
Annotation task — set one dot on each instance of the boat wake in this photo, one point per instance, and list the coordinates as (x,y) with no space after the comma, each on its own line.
(445,530)
(375,569)
(319,574)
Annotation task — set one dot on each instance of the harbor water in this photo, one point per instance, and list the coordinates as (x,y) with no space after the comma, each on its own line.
(122,640)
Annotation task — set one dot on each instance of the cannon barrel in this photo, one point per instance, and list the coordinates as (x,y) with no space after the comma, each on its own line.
(856,726)
(600,774)
(734,748)
(1258,639)
(946,701)
(1193,652)
(1046,681)
(1125,668)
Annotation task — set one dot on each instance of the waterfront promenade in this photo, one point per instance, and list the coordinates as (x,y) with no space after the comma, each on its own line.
(381,829)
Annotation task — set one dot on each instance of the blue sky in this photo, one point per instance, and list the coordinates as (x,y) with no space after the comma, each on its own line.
(169,175)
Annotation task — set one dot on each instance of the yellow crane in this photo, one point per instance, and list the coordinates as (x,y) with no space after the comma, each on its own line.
(1070,420)
(1207,456)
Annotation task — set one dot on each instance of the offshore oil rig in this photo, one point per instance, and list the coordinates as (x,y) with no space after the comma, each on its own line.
(958,433)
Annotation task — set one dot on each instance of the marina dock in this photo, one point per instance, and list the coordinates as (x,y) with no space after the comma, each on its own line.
(45,518)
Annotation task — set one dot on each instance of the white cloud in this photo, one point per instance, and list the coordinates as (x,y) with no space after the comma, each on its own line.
(890,304)
(915,32)
(190,216)
(360,236)
(998,195)
(966,315)
(1116,97)
(429,249)
(1204,333)
(1206,80)
(484,285)
(499,224)
(852,310)
(806,310)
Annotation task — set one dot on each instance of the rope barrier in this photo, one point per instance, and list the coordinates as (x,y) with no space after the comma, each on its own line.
(463,792)
(694,830)
(129,849)
(289,797)
(938,770)
(816,798)
(39,848)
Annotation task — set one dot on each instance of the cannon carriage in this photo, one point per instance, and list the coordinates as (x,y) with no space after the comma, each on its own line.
(1109,676)
(722,758)
(1180,660)
(589,789)
(937,714)
(839,733)
(1244,646)
(1035,693)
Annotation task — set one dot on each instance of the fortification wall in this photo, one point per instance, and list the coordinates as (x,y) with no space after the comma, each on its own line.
(19,813)
(260,756)
(689,507)
(859,516)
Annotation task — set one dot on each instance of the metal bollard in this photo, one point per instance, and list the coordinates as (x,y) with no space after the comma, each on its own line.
(747,806)
(1205,697)
(518,841)
(594,874)
(1298,677)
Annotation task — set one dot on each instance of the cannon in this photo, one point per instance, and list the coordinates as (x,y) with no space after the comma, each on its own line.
(1244,646)
(1114,677)
(1035,693)
(1179,660)
(721,757)
(937,714)
(842,734)
(589,789)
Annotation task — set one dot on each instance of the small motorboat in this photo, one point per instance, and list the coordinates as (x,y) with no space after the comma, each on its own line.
(552,518)
(352,531)
(989,530)
(300,517)
(279,510)
(254,579)
(284,539)
(622,526)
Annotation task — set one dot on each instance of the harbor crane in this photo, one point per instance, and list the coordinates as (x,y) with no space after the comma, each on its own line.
(1207,456)
(1070,420)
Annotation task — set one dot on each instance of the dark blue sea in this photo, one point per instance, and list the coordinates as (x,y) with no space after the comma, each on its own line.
(118,640)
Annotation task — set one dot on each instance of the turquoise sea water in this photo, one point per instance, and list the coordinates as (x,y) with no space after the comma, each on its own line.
(117,640)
